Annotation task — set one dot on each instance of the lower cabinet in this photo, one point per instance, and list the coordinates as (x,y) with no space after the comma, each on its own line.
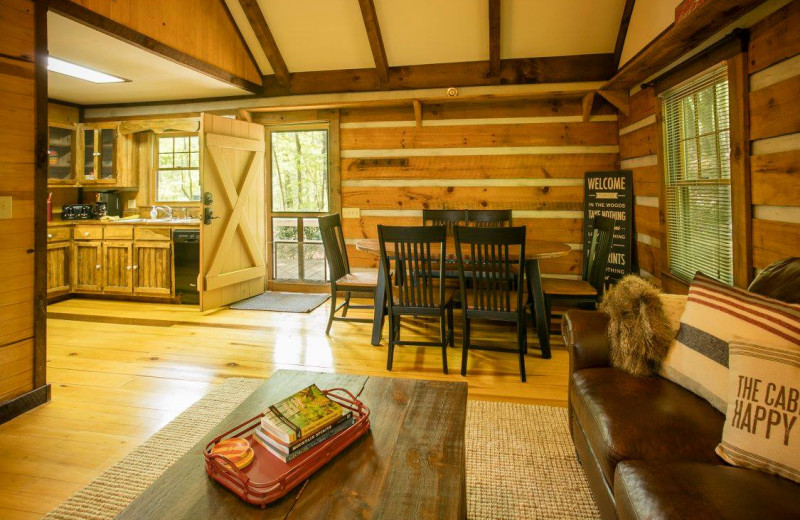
(152,265)
(58,271)
(117,267)
(87,265)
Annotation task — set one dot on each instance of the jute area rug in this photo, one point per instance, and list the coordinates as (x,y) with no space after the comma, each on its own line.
(520,461)
(281,302)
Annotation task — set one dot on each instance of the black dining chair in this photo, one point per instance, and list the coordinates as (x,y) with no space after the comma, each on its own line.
(589,289)
(342,279)
(448,218)
(489,217)
(495,260)
(417,290)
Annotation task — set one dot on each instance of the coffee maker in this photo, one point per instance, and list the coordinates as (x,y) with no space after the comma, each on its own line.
(112,202)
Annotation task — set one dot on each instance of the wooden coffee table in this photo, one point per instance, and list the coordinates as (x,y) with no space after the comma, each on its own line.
(410,465)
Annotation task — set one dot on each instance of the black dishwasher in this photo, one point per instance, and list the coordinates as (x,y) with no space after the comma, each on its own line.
(187,265)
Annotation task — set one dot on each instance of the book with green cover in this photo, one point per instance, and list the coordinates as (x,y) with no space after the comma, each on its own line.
(300,414)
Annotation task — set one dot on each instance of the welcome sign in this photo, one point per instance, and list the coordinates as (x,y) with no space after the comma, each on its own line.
(610,194)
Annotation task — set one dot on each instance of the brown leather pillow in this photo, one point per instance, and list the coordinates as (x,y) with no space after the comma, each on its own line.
(780,280)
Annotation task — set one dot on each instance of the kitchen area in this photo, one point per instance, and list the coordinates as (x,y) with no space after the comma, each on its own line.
(123,208)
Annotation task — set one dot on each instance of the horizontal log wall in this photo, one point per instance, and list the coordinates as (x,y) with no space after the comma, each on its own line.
(774,58)
(774,74)
(529,156)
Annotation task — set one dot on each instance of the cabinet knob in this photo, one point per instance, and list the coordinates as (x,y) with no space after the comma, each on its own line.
(86,233)
(49,235)
(97,266)
(129,268)
(135,267)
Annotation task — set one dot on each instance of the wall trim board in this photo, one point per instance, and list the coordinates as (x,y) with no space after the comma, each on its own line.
(781,143)
(404,183)
(24,402)
(639,162)
(479,121)
(500,150)
(647,239)
(775,73)
(651,202)
(788,214)
(638,125)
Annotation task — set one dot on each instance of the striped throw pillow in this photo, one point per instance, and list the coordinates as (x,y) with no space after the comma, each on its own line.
(714,314)
(761,427)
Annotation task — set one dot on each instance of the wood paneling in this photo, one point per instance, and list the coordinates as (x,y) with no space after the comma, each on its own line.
(638,143)
(643,104)
(774,109)
(775,178)
(199,28)
(647,181)
(773,241)
(775,38)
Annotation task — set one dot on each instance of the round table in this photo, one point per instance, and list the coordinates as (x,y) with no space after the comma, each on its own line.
(535,250)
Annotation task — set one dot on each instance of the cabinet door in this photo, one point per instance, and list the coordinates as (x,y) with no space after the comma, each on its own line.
(58,255)
(60,155)
(98,161)
(117,267)
(152,268)
(87,274)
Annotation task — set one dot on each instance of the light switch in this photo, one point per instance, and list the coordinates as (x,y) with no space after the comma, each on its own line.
(351,212)
(5,207)
(132,204)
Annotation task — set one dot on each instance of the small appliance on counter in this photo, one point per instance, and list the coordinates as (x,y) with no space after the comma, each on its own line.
(100,210)
(77,212)
(112,201)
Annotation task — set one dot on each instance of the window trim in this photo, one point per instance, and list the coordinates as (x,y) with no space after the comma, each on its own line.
(741,209)
(154,172)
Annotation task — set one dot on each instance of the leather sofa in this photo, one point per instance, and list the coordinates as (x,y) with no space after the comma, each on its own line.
(647,445)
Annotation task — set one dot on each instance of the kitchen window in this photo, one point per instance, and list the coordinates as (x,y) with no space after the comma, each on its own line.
(177,177)
(697,182)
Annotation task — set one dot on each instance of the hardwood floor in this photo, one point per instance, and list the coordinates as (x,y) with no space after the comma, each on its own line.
(122,370)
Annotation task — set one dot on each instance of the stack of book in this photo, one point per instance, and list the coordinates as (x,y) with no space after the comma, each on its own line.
(303,420)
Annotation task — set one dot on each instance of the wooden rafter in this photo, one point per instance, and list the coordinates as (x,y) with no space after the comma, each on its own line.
(494,38)
(255,17)
(586,103)
(623,30)
(80,14)
(375,39)
(619,98)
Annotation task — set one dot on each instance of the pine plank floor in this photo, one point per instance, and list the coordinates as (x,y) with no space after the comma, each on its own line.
(122,370)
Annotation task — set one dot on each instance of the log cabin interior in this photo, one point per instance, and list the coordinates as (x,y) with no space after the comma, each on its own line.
(570,231)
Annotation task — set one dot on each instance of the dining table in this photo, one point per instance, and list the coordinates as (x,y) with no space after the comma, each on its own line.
(535,250)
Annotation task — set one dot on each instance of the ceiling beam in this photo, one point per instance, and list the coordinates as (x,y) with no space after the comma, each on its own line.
(627,12)
(679,39)
(87,17)
(619,98)
(494,38)
(558,69)
(375,39)
(586,105)
(255,17)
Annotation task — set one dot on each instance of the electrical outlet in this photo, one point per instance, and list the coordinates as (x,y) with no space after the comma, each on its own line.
(132,204)
(5,207)
(351,212)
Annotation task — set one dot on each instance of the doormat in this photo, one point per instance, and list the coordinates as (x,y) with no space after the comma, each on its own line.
(281,302)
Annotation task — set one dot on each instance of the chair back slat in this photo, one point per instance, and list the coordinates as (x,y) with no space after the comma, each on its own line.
(494,256)
(491,218)
(594,267)
(449,218)
(416,252)
(330,227)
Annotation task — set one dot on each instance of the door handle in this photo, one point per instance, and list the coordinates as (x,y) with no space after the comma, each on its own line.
(208,216)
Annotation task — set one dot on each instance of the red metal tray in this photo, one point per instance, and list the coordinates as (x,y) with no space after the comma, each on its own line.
(268,478)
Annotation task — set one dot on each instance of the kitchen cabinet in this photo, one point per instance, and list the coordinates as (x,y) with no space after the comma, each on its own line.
(98,162)
(152,268)
(87,273)
(117,267)
(58,272)
(61,148)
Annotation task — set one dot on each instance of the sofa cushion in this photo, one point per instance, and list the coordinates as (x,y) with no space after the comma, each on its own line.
(779,280)
(644,489)
(626,417)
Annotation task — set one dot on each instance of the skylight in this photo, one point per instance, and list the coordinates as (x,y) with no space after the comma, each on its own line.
(81,72)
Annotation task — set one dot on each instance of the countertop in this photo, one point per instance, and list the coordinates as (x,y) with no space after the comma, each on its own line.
(141,222)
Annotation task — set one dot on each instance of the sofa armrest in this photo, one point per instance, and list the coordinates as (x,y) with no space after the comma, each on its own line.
(586,339)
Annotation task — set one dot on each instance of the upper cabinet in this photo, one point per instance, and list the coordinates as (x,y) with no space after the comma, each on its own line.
(61,149)
(98,161)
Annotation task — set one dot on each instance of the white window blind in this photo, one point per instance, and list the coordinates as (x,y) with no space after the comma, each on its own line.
(698,176)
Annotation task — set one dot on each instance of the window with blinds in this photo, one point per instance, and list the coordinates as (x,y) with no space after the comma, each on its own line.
(698,176)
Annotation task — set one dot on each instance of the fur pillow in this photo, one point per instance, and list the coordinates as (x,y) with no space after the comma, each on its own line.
(639,333)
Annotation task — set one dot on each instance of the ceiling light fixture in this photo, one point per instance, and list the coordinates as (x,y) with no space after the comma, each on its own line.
(81,72)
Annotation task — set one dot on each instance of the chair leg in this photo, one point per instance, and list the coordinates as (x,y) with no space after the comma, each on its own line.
(450,323)
(548,310)
(397,328)
(333,311)
(521,333)
(465,345)
(346,304)
(443,332)
(390,354)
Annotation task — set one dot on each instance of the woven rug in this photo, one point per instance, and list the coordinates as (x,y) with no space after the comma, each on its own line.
(520,461)
(281,302)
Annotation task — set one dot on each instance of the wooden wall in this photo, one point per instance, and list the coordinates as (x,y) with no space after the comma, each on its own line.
(18,115)
(774,73)
(199,28)
(529,156)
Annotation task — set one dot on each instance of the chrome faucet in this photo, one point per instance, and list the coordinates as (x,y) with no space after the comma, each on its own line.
(166,209)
